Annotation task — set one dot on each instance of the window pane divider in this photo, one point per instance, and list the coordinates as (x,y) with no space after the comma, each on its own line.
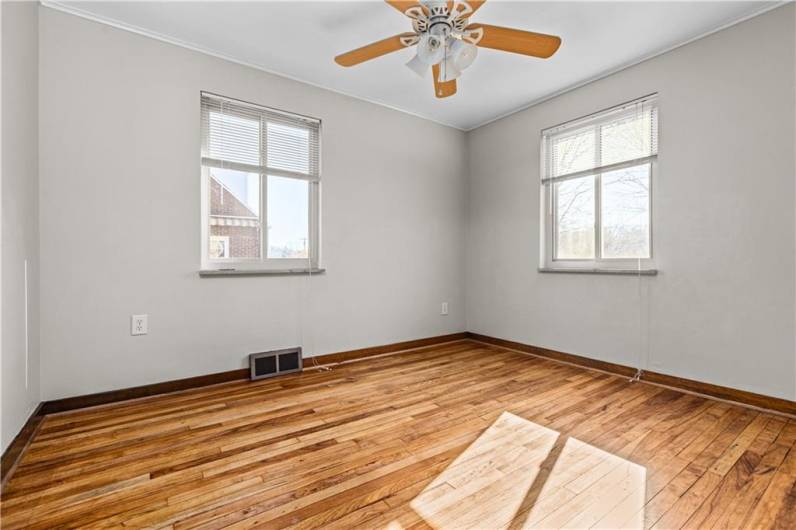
(602,169)
(598,196)
(290,174)
(248,168)
(264,235)
(236,166)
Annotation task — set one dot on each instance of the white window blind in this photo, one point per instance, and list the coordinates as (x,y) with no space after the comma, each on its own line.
(606,141)
(255,139)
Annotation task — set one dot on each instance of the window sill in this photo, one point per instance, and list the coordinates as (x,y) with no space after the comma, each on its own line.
(623,272)
(207,273)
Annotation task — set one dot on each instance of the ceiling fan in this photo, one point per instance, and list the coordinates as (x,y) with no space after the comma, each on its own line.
(448,43)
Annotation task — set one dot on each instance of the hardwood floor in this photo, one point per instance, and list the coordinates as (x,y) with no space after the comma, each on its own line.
(454,436)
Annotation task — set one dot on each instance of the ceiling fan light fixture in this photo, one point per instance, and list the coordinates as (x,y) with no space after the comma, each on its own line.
(430,49)
(418,66)
(448,71)
(462,54)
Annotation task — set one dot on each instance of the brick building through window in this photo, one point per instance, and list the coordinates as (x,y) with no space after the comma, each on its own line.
(234,228)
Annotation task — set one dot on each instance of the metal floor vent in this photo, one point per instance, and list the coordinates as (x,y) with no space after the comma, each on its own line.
(273,363)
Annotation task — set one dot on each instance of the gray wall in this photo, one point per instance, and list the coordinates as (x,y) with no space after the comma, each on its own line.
(20,215)
(120,221)
(722,309)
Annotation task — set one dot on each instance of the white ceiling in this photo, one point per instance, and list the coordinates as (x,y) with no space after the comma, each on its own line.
(300,39)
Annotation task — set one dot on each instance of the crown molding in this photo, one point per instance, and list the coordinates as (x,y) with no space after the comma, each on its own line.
(72,10)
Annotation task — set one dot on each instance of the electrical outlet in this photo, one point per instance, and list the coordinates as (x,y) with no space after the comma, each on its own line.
(444,310)
(138,325)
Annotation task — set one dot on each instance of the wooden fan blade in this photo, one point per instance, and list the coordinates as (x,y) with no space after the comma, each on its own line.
(402,5)
(475,4)
(442,90)
(373,50)
(517,41)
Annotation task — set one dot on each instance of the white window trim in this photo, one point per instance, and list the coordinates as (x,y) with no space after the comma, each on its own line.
(263,263)
(642,266)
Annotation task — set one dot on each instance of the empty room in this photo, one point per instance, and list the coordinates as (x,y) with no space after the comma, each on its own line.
(398,265)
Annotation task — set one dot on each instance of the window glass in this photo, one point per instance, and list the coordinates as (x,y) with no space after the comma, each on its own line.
(219,247)
(626,213)
(574,214)
(288,218)
(234,207)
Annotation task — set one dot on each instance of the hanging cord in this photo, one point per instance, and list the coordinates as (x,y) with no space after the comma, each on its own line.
(643,345)
(307,298)
(308,281)
(639,370)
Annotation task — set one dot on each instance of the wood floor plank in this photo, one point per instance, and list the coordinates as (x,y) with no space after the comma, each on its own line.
(457,436)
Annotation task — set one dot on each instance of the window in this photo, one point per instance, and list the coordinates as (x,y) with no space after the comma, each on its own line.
(219,247)
(597,189)
(260,187)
